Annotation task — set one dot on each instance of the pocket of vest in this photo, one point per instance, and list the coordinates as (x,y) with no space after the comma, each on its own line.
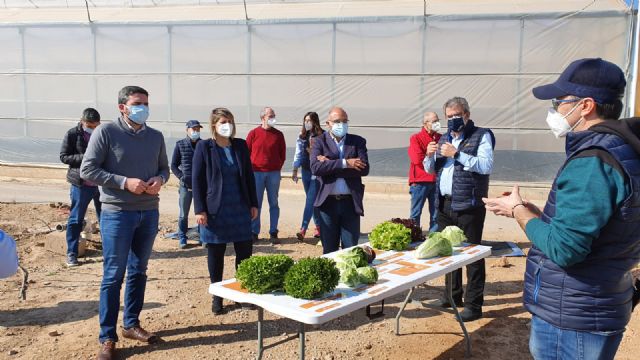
(536,289)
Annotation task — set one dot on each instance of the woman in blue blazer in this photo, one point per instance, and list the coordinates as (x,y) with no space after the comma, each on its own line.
(224,195)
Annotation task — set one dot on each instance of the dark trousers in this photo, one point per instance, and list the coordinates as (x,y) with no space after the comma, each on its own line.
(339,224)
(472,223)
(215,257)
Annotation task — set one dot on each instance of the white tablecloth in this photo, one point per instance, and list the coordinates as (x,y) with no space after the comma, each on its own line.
(398,271)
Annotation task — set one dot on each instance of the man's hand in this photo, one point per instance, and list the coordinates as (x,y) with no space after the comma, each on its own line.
(294,176)
(322,158)
(254,213)
(356,163)
(432,147)
(448,150)
(153,185)
(504,205)
(135,186)
(201,218)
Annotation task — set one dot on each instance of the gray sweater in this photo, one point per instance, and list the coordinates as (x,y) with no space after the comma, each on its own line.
(114,153)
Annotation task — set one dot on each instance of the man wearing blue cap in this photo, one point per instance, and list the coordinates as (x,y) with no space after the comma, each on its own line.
(181,163)
(586,240)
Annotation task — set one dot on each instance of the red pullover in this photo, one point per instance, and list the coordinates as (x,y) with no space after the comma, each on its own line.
(267,149)
(417,150)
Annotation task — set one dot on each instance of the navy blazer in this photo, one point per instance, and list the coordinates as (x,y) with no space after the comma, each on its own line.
(329,170)
(207,176)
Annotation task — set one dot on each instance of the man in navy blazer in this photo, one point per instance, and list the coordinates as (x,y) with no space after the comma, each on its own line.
(339,160)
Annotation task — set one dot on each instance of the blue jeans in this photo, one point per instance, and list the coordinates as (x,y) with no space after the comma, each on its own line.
(339,224)
(185,196)
(80,196)
(310,189)
(548,342)
(127,240)
(420,192)
(271,182)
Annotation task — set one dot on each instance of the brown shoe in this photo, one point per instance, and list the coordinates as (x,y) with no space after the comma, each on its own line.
(107,350)
(140,334)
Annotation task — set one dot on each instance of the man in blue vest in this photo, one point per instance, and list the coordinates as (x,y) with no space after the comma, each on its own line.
(578,285)
(463,159)
(181,162)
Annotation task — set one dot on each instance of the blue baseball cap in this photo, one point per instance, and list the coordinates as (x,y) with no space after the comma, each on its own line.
(586,78)
(193,123)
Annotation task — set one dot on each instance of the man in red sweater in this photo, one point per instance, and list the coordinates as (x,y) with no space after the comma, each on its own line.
(422,185)
(268,150)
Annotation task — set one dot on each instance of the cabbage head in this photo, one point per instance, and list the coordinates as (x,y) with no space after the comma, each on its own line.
(349,276)
(367,274)
(435,245)
(354,257)
(454,234)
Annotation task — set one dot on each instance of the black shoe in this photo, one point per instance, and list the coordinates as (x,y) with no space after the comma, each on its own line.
(255,238)
(274,238)
(469,315)
(445,304)
(216,306)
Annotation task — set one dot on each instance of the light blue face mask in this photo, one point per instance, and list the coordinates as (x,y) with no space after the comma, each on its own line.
(195,135)
(339,129)
(138,113)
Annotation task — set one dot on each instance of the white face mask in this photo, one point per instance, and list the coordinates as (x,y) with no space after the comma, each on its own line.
(225,130)
(558,123)
(271,121)
(435,126)
(88,130)
(308,126)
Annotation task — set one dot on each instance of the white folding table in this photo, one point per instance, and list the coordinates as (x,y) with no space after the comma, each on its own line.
(398,271)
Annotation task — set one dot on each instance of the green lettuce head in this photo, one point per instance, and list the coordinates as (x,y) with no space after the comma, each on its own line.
(435,245)
(349,276)
(454,234)
(367,274)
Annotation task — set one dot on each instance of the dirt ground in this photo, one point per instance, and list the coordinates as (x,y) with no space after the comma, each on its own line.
(59,318)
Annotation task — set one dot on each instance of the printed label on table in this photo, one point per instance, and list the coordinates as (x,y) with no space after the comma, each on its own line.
(376,290)
(392,256)
(329,307)
(311,304)
(236,286)
(409,270)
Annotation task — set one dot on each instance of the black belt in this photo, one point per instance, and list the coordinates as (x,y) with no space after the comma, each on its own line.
(341,196)
(446,197)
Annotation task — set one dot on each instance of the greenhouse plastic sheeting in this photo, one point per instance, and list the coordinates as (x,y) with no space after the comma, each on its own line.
(386,71)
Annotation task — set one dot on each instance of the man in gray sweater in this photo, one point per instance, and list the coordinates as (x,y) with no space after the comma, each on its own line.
(128,160)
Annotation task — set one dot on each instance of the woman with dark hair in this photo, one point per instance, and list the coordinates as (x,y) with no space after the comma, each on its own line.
(224,195)
(310,129)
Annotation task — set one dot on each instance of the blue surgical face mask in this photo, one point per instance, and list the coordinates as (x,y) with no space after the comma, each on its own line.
(138,113)
(195,135)
(88,130)
(339,129)
(455,123)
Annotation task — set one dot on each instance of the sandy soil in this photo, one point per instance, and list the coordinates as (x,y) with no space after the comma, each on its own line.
(59,318)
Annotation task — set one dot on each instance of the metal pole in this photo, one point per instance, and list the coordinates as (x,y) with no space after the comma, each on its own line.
(169,79)
(260,319)
(333,66)
(467,349)
(404,304)
(25,100)
(301,338)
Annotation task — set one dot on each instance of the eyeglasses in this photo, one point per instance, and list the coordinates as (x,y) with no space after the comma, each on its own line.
(557,102)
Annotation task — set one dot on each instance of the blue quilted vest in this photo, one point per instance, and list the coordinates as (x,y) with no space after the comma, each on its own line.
(595,294)
(186,160)
(468,187)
